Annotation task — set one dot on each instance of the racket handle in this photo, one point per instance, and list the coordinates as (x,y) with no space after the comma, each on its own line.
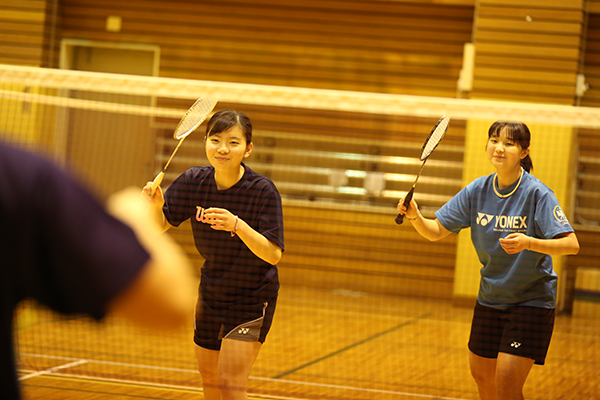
(400,217)
(156,182)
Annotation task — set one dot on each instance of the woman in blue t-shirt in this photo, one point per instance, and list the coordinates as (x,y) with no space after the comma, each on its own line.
(516,224)
(237,222)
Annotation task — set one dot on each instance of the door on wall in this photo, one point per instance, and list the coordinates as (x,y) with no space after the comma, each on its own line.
(109,150)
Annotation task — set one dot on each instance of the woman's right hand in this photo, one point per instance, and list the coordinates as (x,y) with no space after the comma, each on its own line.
(412,212)
(157,199)
(154,205)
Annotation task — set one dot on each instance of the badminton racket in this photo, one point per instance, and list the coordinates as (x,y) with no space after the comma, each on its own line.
(432,141)
(188,124)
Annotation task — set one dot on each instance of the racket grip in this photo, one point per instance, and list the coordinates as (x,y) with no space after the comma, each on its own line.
(156,182)
(400,217)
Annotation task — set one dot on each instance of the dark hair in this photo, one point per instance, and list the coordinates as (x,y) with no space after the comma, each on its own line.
(224,120)
(517,132)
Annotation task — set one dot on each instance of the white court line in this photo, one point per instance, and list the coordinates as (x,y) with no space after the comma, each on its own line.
(53,369)
(192,371)
(115,380)
(163,386)
(327,385)
(76,361)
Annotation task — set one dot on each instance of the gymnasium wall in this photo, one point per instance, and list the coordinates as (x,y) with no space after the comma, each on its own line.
(380,46)
(383,46)
(25,27)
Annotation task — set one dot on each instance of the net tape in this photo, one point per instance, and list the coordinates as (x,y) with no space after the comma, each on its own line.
(323,99)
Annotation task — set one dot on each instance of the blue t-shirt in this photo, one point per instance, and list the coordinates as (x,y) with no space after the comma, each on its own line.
(231,272)
(526,278)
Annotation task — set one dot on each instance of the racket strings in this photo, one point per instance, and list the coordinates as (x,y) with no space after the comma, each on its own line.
(190,121)
(194,117)
(435,137)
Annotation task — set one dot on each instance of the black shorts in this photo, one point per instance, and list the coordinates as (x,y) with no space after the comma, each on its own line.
(521,331)
(217,320)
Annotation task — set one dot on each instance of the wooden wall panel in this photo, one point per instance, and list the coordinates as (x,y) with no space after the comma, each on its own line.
(528,51)
(562,4)
(23,32)
(593,6)
(380,46)
(591,68)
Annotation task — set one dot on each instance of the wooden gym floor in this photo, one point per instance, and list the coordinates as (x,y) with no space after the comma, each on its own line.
(324,344)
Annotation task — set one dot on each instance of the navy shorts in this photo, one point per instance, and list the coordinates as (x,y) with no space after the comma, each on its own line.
(217,320)
(521,331)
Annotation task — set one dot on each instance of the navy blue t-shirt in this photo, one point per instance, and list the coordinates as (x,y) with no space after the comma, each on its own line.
(58,246)
(231,272)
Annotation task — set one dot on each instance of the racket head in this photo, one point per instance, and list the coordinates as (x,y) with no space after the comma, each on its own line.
(193,117)
(435,137)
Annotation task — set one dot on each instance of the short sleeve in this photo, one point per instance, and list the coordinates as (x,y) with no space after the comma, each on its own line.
(59,244)
(88,256)
(550,219)
(271,217)
(177,201)
(455,215)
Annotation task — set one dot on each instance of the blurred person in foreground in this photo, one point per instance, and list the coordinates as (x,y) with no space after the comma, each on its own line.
(62,248)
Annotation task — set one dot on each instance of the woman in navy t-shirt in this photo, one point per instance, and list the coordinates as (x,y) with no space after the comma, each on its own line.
(237,222)
(516,224)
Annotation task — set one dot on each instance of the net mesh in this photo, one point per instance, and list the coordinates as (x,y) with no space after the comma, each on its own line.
(367,309)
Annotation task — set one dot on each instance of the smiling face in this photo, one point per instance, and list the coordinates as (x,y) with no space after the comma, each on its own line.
(504,152)
(226,150)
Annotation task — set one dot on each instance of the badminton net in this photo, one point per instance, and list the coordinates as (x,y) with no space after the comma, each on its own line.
(363,289)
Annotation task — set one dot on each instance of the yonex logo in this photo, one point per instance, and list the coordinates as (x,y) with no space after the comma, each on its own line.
(514,222)
(483,219)
(516,345)
(243,331)
(502,221)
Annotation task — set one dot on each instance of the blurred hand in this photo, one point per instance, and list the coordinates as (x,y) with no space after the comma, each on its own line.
(163,294)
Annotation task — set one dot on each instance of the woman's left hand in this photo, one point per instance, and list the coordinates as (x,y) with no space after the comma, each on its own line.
(219,219)
(515,242)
